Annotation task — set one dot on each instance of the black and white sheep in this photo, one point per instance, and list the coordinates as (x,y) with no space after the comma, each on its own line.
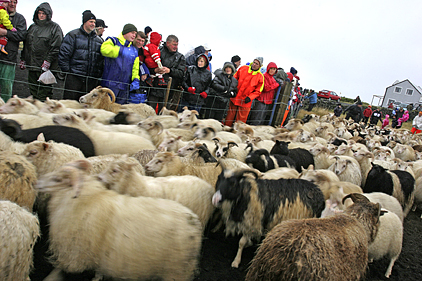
(333,248)
(399,184)
(68,135)
(261,160)
(251,206)
(302,157)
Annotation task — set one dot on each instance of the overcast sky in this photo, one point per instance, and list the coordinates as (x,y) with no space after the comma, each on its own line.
(354,48)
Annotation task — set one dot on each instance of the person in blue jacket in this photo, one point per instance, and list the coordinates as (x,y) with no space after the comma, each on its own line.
(312,96)
(121,73)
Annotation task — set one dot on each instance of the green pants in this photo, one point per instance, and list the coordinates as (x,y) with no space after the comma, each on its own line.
(38,90)
(7,77)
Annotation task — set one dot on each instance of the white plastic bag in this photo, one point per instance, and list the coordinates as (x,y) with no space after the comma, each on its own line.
(47,78)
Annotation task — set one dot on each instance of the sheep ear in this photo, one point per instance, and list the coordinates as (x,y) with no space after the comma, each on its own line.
(41,137)
(195,112)
(82,164)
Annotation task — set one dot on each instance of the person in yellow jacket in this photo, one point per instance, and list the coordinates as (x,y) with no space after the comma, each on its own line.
(121,64)
(249,87)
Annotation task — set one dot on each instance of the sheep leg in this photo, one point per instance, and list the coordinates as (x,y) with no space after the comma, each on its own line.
(55,275)
(243,242)
(98,277)
(390,267)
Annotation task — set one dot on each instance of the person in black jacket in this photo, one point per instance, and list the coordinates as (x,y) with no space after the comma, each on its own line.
(196,84)
(174,65)
(375,117)
(8,62)
(191,59)
(80,58)
(223,87)
(354,111)
(41,50)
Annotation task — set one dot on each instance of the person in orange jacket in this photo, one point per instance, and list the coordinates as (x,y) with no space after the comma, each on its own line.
(250,85)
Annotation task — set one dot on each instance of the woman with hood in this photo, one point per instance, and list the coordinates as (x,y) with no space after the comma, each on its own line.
(262,103)
(196,84)
(223,87)
(41,50)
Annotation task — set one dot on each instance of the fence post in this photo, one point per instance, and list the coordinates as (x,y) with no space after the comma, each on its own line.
(167,91)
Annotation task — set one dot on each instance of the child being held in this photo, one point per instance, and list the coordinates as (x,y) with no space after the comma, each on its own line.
(4,23)
(153,57)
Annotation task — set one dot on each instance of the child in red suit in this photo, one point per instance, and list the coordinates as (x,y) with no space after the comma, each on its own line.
(153,57)
(4,23)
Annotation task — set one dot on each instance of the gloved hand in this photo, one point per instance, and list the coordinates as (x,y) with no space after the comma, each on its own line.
(45,66)
(134,85)
(247,100)
(22,65)
(204,95)
(191,90)
(14,29)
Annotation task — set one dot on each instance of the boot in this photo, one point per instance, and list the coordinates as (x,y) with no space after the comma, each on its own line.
(149,81)
(3,50)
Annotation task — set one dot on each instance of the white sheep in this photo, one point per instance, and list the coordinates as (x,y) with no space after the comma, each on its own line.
(106,142)
(347,169)
(321,155)
(17,177)
(230,149)
(7,144)
(169,164)
(404,152)
(19,230)
(189,191)
(18,105)
(364,159)
(117,235)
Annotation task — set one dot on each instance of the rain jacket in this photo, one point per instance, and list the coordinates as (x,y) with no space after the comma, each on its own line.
(250,84)
(191,60)
(200,78)
(367,112)
(43,40)
(270,86)
(80,53)
(120,68)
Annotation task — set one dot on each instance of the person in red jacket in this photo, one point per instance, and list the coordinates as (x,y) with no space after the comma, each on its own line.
(153,57)
(366,114)
(249,87)
(262,104)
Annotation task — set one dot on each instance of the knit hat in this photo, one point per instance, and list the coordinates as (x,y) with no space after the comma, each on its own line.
(129,28)
(1,1)
(235,58)
(420,112)
(147,29)
(87,15)
(260,59)
(100,23)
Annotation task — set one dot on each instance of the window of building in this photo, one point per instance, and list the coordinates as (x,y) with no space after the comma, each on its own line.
(397,90)
(409,92)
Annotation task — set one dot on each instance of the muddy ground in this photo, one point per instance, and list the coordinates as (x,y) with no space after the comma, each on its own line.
(219,251)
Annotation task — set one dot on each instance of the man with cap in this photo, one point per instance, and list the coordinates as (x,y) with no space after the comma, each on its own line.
(121,73)
(80,58)
(8,62)
(250,85)
(99,28)
(236,61)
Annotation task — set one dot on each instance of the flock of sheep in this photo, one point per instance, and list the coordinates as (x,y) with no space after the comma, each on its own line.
(128,193)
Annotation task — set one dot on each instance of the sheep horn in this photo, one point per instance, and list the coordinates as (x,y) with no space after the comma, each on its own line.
(356,197)
(111,93)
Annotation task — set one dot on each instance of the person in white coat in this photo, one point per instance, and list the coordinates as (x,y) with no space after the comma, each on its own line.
(417,124)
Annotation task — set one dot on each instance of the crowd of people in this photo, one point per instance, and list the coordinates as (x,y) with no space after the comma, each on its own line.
(133,61)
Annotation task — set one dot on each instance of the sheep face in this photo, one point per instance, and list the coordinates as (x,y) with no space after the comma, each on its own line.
(342,149)
(158,162)
(188,115)
(34,149)
(204,133)
(222,148)
(64,119)
(187,149)
(293,124)
(280,147)
(114,173)
(227,187)
(258,159)
(14,105)
(316,149)
(376,170)
(340,166)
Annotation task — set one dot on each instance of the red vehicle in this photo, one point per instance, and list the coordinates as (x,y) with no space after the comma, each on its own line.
(328,95)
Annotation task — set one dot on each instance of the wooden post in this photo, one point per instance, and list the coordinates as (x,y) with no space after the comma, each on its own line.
(282,104)
(167,91)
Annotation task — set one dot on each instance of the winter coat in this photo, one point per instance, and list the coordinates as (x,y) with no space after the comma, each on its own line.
(200,78)
(355,112)
(270,86)
(80,53)
(43,40)
(417,122)
(14,37)
(367,112)
(120,68)
(386,121)
(191,60)
(338,110)
(250,84)
(152,52)
(313,98)
(177,64)
(222,86)
(375,117)
(404,118)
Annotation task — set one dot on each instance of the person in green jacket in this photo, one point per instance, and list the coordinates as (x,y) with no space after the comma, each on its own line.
(41,50)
